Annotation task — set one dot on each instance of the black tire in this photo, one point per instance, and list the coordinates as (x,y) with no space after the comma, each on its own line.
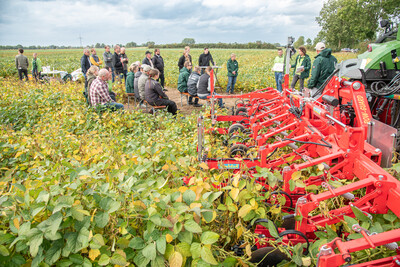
(241,109)
(289,222)
(237,127)
(238,149)
(268,256)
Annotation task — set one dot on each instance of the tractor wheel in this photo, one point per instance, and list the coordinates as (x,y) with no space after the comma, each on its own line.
(268,256)
(241,109)
(237,127)
(238,150)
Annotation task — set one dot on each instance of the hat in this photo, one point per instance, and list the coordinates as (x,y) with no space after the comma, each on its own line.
(320,46)
(146,68)
(147,52)
(137,63)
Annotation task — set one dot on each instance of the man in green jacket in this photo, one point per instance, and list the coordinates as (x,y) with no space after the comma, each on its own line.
(36,67)
(323,67)
(233,68)
(184,76)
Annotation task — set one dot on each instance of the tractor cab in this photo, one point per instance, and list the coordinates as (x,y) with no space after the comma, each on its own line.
(380,63)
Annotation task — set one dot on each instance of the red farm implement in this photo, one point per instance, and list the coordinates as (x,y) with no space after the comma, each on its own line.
(289,132)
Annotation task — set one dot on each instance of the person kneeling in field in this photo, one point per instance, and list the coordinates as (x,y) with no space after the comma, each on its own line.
(192,86)
(155,95)
(99,95)
(204,88)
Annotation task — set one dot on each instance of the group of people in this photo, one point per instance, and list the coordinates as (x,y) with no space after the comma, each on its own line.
(22,65)
(145,80)
(322,68)
(204,61)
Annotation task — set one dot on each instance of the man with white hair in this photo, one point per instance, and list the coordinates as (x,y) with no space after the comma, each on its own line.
(323,67)
(142,80)
(99,95)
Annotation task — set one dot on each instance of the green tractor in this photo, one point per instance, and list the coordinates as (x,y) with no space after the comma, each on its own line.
(380,64)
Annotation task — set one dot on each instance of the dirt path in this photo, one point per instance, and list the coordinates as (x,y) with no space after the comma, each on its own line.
(175,96)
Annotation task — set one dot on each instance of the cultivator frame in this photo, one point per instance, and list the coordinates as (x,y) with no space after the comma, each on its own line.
(330,130)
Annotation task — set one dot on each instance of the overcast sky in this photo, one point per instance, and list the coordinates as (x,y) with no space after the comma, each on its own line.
(60,22)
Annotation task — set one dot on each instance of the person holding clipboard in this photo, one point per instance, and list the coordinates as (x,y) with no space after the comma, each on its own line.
(301,67)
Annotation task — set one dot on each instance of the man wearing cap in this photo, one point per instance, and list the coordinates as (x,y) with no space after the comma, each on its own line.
(323,67)
(142,80)
(147,60)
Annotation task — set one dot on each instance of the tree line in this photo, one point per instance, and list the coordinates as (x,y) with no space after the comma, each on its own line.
(150,44)
(353,23)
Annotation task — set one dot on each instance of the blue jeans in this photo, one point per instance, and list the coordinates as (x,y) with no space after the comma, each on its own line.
(278,79)
(113,106)
(113,75)
(231,84)
(220,104)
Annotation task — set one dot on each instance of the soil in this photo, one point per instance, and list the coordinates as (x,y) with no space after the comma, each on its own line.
(186,109)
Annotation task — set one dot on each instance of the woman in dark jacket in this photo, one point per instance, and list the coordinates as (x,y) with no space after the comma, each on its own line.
(155,95)
(301,67)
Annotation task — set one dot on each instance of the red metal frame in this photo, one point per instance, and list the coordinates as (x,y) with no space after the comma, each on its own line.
(317,133)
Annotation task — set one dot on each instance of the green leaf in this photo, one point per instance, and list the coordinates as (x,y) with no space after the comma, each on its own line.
(177,227)
(137,243)
(51,225)
(244,210)
(186,236)
(229,262)
(115,205)
(169,251)
(359,214)
(4,251)
(78,213)
(350,222)
(54,252)
(272,229)
(207,256)
(140,260)
(104,260)
(159,261)
(292,185)
(331,234)
(101,219)
(150,251)
(192,226)
(118,259)
(189,196)
(272,180)
(209,237)
(195,249)
(97,241)
(161,244)
(43,197)
(208,216)
(35,240)
(76,258)
(184,249)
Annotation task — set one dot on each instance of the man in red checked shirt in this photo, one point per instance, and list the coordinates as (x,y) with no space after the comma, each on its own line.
(98,92)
